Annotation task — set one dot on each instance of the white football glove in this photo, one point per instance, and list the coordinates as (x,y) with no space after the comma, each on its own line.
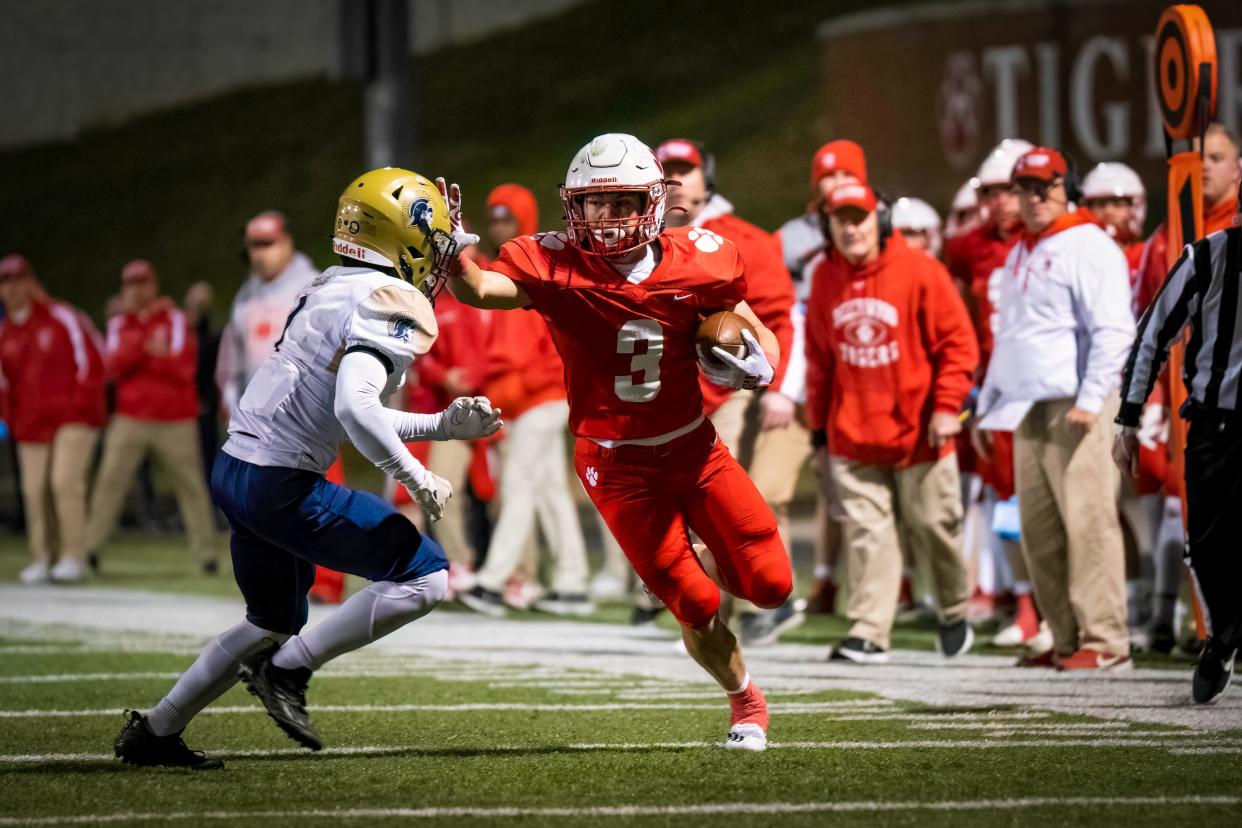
(751,371)
(452,197)
(469,418)
(432,494)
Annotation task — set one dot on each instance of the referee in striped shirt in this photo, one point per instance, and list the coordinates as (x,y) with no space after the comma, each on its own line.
(1201,291)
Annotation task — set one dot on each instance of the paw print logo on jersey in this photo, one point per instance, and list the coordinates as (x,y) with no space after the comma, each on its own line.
(592,476)
(553,241)
(705,240)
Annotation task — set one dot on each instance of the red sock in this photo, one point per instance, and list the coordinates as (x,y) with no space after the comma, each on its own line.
(749,707)
(1028,616)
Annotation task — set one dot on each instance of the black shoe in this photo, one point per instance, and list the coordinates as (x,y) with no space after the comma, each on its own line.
(955,639)
(92,561)
(483,601)
(1213,672)
(137,745)
(1162,639)
(283,693)
(564,603)
(643,617)
(859,651)
(211,567)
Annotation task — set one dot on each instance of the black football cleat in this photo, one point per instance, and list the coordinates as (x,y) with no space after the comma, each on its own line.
(1213,672)
(283,694)
(137,745)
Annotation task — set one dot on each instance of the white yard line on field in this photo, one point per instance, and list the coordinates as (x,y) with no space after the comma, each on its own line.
(604,707)
(923,744)
(705,809)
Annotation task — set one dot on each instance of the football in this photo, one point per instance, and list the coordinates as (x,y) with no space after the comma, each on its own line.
(723,329)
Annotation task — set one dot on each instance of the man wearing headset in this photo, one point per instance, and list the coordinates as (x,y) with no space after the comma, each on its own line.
(891,355)
(1064,331)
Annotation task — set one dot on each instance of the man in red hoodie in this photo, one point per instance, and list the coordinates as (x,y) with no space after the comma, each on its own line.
(890,358)
(51,396)
(152,355)
(758,427)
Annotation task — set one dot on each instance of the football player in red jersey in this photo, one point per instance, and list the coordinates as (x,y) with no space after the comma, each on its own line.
(623,298)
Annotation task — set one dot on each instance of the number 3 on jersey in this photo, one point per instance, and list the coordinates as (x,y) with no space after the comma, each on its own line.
(647,362)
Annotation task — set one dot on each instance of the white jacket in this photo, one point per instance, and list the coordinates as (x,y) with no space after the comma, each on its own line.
(1064,324)
(255,324)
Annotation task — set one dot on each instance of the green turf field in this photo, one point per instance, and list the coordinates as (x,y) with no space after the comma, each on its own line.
(539,722)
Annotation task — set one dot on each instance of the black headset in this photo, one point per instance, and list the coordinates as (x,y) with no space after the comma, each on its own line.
(883,217)
(1073,181)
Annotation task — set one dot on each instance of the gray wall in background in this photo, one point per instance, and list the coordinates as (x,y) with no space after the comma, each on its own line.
(67,65)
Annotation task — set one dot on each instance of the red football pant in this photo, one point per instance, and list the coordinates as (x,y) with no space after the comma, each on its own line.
(652,496)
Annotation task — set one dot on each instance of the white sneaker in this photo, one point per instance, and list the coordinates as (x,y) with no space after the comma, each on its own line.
(36,573)
(1011,636)
(1040,642)
(68,572)
(750,737)
(607,587)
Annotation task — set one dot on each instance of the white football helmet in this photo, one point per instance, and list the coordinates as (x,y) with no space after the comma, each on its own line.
(613,163)
(997,167)
(915,214)
(965,212)
(1115,180)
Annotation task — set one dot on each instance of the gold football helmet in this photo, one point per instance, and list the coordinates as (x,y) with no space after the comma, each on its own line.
(395,218)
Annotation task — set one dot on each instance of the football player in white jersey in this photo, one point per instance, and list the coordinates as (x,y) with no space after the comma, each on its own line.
(345,347)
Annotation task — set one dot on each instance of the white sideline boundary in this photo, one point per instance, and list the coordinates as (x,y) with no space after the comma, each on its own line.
(767,808)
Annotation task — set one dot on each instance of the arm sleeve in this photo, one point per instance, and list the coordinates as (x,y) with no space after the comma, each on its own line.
(1102,294)
(370,427)
(1161,324)
(819,358)
(951,336)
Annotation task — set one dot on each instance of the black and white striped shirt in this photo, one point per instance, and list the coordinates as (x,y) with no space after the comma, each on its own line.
(1202,290)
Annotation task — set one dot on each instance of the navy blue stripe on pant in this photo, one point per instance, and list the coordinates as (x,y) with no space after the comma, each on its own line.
(284,522)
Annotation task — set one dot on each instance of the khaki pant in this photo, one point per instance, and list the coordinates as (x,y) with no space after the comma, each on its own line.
(773,459)
(534,483)
(450,459)
(175,445)
(1067,496)
(58,468)
(925,502)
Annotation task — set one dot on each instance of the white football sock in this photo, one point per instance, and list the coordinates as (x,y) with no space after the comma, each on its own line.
(368,615)
(212,673)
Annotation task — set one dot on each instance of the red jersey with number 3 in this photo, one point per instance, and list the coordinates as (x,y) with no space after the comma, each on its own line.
(631,370)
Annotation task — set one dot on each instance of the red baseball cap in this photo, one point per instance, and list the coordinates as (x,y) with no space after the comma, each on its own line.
(679,149)
(858,196)
(1041,163)
(839,155)
(137,271)
(267,227)
(15,266)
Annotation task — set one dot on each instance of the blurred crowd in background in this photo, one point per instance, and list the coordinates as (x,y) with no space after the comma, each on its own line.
(894,325)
